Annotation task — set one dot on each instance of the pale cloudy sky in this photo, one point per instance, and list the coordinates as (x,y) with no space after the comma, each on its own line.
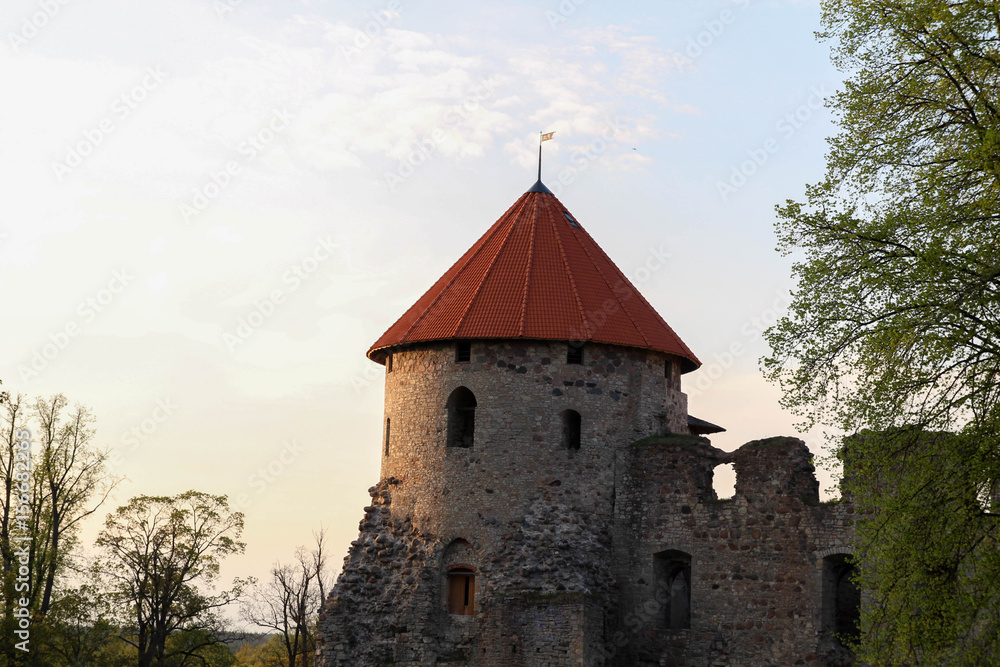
(212,208)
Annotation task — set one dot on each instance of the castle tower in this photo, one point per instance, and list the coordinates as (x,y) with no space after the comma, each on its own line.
(511,384)
(545,499)
(521,370)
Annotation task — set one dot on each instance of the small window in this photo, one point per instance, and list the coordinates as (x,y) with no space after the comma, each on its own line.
(387,436)
(673,579)
(572,223)
(574,353)
(463,352)
(571,430)
(388,364)
(462,592)
(668,372)
(461,418)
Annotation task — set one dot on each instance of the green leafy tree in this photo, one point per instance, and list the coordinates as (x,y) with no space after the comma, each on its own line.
(83,632)
(271,653)
(159,554)
(894,326)
(48,489)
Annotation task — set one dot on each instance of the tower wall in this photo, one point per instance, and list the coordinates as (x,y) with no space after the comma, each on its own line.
(531,518)
(521,390)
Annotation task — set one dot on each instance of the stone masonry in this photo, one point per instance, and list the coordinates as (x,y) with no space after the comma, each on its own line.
(615,552)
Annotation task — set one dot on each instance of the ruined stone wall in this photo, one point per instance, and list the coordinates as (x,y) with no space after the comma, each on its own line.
(543,595)
(756,559)
(562,543)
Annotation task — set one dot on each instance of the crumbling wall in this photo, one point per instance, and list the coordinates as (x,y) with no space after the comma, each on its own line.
(543,590)
(377,611)
(756,563)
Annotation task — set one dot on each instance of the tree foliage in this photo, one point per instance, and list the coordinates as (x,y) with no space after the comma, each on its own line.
(894,326)
(159,555)
(48,489)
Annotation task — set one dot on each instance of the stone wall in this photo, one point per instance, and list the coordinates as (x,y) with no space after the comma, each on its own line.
(563,543)
(521,391)
(756,559)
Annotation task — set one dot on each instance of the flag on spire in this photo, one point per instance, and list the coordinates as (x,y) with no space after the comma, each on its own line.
(547,136)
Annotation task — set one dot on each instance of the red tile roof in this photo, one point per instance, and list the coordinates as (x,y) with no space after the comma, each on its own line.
(535,274)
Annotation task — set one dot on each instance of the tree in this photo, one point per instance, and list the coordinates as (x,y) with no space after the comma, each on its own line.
(52,479)
(290,601)
(157,551)
(894,327)
(271,653)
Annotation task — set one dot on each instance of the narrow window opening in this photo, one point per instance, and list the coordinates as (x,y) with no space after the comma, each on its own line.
(463,352)
(668,372)
(387,436)
(841,609)
(572,223)
(461,592)
(388,364)
(574,353)
(724,481)
(461,418)
(672,571)
(570,430)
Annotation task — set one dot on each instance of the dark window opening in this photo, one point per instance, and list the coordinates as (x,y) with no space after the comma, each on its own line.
(387,436)
(668,372)
(463,352)
(574,354)
(572,223)
(388,364)
(461,418)
(841,599)
(672,571)
(462,592)
(570,430)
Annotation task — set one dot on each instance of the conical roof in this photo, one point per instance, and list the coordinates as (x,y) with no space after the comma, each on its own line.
(535,274)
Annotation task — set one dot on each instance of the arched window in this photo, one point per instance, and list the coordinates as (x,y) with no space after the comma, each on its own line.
(462,591)
(461,418)
(570,429)
(672,570)
(387,436)
(841,599)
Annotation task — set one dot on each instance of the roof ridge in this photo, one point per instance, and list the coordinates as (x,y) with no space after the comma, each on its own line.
(569,273)
(486,275)
(527,270)
(480,244)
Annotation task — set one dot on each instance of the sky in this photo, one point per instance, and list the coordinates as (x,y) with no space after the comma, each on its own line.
(213,208)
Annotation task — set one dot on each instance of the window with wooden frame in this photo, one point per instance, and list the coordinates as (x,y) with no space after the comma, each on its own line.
(462,591)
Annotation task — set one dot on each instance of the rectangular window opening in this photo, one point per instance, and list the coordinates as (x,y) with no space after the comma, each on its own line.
(461,593)
(574,354)
(463,352)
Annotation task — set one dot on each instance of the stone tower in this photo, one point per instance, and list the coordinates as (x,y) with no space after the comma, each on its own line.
(536,452)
